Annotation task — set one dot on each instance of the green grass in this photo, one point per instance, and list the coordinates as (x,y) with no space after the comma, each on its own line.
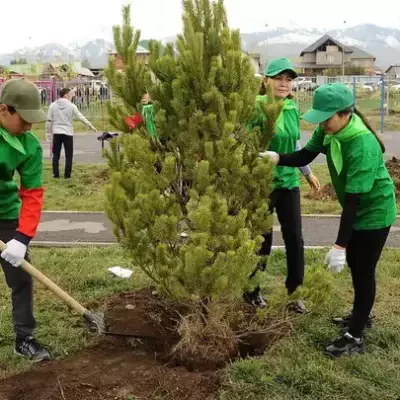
(96,113)
(81,272)
(79,128)
(83,192)
(309,206)
(296,368)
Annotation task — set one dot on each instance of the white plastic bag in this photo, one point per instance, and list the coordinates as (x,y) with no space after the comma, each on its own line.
(121,272)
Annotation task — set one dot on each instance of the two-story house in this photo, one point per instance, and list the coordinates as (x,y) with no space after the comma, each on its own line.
(393,72)
(329,53)
(142,54)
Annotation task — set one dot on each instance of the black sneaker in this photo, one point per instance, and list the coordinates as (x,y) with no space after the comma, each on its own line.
(345,345)
(344,322)
(31,349)
(255,298)
(298,307)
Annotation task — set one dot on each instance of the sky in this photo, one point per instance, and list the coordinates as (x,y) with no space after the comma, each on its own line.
(44,21)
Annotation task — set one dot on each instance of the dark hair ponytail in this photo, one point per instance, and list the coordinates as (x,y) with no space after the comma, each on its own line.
(368,125)
(263,89)
(365,121)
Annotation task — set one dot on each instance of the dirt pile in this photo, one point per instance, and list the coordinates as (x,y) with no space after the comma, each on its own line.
(393,167)
(147,368)
(326,193)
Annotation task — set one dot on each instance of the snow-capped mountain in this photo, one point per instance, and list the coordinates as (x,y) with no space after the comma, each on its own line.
(95,52)
(383,43)
(275,41)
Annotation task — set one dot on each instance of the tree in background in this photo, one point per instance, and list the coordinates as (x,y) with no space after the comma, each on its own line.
(85,63)
(19,61)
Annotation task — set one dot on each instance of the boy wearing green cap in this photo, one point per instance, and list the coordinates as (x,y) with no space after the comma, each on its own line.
(365,191)
(20,208)
(285,198)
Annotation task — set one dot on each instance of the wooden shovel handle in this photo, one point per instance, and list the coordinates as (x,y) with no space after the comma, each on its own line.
(65,297)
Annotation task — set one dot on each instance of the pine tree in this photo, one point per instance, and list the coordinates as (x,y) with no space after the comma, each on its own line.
(190,204)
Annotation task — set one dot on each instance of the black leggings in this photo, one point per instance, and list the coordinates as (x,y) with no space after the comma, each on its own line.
(363,253)
(287,205)
(58,141)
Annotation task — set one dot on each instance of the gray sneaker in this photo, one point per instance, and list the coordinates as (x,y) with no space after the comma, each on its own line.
(345,345)
(31,349)
(297,307)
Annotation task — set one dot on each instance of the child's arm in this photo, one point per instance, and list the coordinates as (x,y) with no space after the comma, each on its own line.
(78,115)
(49,121)
(31,194)
(306,170)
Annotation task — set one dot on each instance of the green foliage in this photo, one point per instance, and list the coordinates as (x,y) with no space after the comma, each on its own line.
(297,369)
(129,85)
(190,205)
(18,61)
(347,71)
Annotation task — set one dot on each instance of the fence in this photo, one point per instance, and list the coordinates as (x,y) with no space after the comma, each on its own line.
(378,97)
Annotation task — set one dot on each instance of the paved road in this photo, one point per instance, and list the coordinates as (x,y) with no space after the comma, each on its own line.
(66,228)
(88,148)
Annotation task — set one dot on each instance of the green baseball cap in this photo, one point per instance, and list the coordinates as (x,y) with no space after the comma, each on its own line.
(328,100)
(24,96)
(279,65)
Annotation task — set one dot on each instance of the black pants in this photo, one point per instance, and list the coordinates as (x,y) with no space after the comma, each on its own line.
(287,205)
(363,253)
(20,283)
(68,142)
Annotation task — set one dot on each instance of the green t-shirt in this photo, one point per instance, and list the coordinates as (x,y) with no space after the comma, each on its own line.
(23,154)
(284,141)
(363,172)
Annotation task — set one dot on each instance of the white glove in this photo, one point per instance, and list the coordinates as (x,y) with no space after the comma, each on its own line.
(274,157)
(14,253)
(336,259)
(48,137)
(93,128)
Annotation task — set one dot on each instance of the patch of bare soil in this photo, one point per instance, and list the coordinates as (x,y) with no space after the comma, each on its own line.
(393,167)
(152,367)
(326,193)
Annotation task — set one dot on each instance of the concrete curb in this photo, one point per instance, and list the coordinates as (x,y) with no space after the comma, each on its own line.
(47,244)
(102,213)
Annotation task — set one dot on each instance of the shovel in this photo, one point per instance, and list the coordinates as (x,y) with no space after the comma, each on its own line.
(94,321)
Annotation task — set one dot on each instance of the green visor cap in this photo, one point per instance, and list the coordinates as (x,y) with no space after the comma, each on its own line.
(24,96)
(327,101)
(279,65)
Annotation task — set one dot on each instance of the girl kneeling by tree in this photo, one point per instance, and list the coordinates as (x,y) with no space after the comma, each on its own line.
(365,191)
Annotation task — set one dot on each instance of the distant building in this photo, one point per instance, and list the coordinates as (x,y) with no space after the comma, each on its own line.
(393,72)
(142,54)
(329,53)
(61,70)
(28,71)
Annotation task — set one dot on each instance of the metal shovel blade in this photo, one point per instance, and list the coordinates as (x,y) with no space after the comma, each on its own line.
(95,322)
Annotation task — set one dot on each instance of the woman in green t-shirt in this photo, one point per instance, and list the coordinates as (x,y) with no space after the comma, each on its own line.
(285,198)
(365,191)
